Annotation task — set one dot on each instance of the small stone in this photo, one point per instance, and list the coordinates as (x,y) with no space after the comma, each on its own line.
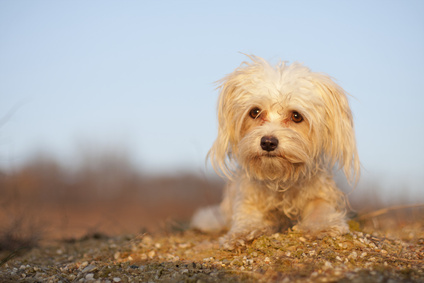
(89,268)
(184,245)
(116,279)
(151,254)
(353,255)
(147,240)
(83,265)
(328,265)
(338,272)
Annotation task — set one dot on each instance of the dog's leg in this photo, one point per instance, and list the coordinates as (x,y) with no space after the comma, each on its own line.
(320,218)
(248,223)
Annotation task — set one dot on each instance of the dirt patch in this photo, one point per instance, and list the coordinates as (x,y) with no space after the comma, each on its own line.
(189,256)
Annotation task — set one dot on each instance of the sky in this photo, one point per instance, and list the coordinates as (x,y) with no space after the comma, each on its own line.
(138,77)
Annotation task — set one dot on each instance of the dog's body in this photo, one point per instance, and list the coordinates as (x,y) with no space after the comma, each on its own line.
(281,131)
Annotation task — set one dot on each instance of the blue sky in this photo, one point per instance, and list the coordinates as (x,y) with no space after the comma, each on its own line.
(138,76)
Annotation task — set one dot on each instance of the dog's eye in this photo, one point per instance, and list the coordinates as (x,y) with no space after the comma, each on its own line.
(255,112)
(296,117)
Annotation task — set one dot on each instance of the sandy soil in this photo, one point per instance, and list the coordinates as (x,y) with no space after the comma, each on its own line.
(188,256)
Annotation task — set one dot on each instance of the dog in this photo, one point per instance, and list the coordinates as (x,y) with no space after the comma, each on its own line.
(282,131)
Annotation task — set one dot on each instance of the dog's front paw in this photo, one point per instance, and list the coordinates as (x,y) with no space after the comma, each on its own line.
(320,230)
(234,240)
(321,219)
(230,242)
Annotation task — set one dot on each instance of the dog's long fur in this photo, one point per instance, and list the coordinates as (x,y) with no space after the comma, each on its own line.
(308,116)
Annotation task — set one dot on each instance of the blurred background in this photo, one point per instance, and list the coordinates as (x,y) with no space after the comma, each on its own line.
(108,108)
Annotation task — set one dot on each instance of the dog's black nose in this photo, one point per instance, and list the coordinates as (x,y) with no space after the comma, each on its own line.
(269,143)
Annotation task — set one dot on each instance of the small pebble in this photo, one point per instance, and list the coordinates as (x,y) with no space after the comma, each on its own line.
(83,265)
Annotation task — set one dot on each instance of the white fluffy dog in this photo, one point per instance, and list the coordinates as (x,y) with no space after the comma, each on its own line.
(282,129)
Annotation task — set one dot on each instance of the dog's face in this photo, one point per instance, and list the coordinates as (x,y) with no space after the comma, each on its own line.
(283,123)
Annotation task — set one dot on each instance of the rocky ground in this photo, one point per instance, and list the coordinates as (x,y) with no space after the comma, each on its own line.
(189,256)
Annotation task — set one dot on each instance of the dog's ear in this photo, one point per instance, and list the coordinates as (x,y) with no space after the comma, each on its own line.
(340,144)
(221,153)
(232,104)
(232,100)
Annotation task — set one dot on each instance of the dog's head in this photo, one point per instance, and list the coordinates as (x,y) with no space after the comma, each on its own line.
(283,123)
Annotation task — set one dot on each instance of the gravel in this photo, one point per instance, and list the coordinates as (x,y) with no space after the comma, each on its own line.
(193,257)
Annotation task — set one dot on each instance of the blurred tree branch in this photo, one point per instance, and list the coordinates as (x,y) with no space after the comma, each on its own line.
(5,118)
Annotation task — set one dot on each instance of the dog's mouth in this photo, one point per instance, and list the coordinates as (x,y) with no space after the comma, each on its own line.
(270,155)
(266,157)
(280,156)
